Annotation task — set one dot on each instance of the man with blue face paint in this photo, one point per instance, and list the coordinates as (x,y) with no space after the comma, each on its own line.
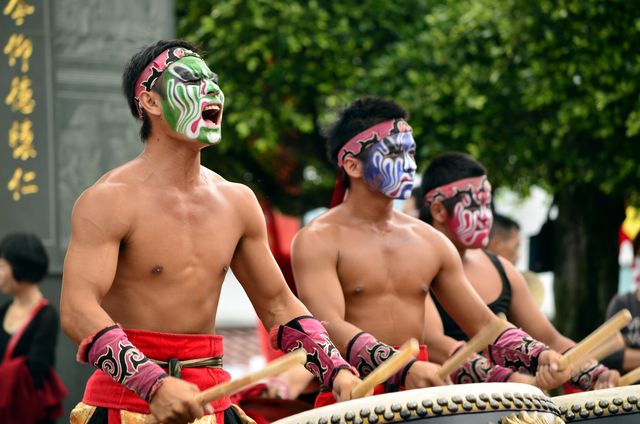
(365,269)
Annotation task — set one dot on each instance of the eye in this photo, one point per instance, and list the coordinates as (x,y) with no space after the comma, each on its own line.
(186,75)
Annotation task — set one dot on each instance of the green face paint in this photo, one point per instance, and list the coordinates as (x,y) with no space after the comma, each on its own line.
(193,101)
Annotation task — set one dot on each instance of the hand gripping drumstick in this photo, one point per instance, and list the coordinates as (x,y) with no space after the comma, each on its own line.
(630,378)
(480,341)
(589,343)
(275,367)
(386,369)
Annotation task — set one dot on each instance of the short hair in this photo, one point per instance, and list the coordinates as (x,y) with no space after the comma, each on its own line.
(134,68)
(26,255)
(502,226)
(446,168)
(361,114)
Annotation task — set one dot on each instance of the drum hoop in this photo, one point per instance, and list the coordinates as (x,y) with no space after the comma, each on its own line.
(519,403)
(587,409)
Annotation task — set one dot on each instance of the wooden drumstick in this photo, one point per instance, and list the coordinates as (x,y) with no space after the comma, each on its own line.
(611,345)
(273,368)
(589,343)
(630,378)
(386,369)
(480,341)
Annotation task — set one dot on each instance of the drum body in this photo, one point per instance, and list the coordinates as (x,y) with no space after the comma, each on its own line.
(609,406)
(483,403)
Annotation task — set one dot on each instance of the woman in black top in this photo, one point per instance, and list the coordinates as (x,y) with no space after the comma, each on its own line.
(30,391)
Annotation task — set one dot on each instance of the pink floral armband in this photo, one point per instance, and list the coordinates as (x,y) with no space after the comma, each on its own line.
(366,353)
(516,350)
(585,378)
(110,351)
(323,358)
(478,369)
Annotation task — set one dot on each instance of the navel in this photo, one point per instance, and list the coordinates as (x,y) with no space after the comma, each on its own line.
(156,269)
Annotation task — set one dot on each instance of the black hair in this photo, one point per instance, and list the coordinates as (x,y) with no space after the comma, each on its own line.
(134,68)
(26,255)
(361,114)
(503,225)
(444,169)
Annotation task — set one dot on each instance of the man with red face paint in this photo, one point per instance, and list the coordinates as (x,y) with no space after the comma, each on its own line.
(366,269)
(457,202)
(151,244)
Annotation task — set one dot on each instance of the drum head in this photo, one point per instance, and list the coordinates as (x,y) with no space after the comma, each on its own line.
(609,406)
(505,403)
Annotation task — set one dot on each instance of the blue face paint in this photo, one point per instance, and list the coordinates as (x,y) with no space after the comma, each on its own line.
(390,166)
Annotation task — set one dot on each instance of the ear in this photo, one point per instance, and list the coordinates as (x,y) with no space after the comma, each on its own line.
(439,212)
(151,103)
(352,167)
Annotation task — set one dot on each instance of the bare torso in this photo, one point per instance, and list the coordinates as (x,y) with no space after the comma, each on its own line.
(174,258)
(385,272)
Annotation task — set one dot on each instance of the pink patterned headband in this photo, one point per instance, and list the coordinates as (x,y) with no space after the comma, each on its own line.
(366,138)
(152,72)
(450,190)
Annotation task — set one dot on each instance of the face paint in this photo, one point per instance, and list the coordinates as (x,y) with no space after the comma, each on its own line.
(193,101)
(390,166)
(471,219)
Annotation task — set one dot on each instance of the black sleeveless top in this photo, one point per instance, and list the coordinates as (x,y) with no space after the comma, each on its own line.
(501,304)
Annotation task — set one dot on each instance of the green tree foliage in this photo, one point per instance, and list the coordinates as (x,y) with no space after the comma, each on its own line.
(542,92)
(285,66)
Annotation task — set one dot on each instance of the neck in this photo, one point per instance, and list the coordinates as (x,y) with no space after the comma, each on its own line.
(461,248)
(173,160)
(368,205)
(28,296)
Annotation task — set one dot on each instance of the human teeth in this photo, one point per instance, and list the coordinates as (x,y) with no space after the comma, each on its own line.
(212,107)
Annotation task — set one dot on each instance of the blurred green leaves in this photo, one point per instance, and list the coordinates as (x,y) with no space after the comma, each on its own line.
(542,92)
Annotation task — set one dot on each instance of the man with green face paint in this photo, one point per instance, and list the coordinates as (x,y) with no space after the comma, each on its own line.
(151,243)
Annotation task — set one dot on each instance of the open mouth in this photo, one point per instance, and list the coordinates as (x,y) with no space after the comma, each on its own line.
(212,114)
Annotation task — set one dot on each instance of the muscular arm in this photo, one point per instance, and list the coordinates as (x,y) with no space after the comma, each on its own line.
(524,313)
(315,271)
(257,271)
(91,260)
(456,294)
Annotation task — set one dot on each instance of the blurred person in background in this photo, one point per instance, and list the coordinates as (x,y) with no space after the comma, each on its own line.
(628,358)
(30,390)
(504,240)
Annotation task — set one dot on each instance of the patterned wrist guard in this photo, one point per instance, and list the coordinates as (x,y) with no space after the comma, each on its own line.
(323,358)
(516,350)
(588,374)
(478,369)
(111,351)
(366,353)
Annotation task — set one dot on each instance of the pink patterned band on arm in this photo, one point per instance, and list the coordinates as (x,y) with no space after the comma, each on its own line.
(366,353)
(585,378)
(516,350)
(111,351)
(323,358)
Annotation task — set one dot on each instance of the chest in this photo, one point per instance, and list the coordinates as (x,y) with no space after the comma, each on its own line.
(181,231)
(395,262)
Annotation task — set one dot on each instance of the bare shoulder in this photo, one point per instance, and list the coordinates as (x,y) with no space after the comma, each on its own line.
(425,231)
(110,202)
(321,233)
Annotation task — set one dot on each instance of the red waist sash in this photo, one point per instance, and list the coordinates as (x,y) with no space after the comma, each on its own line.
(326,398)
(103,391)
